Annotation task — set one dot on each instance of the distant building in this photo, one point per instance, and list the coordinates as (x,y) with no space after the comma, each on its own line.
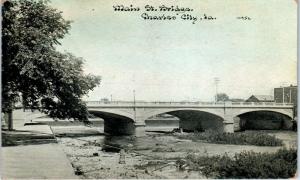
(286,94)
(260,98)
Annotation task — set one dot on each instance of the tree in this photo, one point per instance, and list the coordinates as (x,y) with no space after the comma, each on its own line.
(33,71)
(222,97)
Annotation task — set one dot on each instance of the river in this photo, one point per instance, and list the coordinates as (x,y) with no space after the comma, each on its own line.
(96,155)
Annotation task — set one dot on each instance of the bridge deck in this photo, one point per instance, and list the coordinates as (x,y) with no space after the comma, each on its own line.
(187,104)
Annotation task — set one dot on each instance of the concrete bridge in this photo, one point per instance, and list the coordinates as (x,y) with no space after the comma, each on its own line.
(129,117)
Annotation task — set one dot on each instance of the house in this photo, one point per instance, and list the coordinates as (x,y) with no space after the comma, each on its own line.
(260,98)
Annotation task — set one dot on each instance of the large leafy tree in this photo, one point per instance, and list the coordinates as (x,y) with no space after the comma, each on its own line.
(33,71)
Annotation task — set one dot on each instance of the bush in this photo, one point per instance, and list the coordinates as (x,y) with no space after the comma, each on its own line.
(163,149)
(240,138)
(282,164)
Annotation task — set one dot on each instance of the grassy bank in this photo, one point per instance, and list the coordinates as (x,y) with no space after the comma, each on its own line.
(239,138)
(282,164)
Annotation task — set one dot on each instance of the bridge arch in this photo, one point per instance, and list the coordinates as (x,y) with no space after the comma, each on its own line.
(216,112)
(112,112)
(115,123)
(194,119)
(263,119)
(287,112)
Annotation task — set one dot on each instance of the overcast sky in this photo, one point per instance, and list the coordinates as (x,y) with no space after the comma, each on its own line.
(178,60)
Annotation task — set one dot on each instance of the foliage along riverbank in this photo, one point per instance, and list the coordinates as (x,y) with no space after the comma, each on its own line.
(282,164)
(238,138)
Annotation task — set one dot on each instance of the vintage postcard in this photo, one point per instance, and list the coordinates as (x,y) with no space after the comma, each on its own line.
(149,89)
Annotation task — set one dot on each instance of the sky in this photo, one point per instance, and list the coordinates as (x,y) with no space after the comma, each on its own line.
(178,60)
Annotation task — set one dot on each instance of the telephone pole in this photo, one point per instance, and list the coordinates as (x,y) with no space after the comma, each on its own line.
(217,81)
(134,104)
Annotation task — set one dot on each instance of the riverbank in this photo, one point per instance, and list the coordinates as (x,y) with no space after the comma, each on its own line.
(156,155)
(33,152)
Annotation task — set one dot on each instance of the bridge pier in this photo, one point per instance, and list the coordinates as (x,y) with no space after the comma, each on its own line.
(140,129)
(228,127)
(228,123)
(122,127)
(114,127)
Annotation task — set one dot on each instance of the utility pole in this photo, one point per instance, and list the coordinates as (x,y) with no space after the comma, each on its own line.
(134,110)
(111,98)
(217,80)
(290,95)
(134,97)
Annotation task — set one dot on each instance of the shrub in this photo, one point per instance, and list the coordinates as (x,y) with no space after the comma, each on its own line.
(240,138)
(282,164)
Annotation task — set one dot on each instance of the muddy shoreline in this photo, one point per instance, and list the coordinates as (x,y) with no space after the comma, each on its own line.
(156,155)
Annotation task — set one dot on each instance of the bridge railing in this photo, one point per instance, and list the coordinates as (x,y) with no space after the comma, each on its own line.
(183,103)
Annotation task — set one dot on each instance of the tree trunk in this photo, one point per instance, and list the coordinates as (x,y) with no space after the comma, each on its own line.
(10,120)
